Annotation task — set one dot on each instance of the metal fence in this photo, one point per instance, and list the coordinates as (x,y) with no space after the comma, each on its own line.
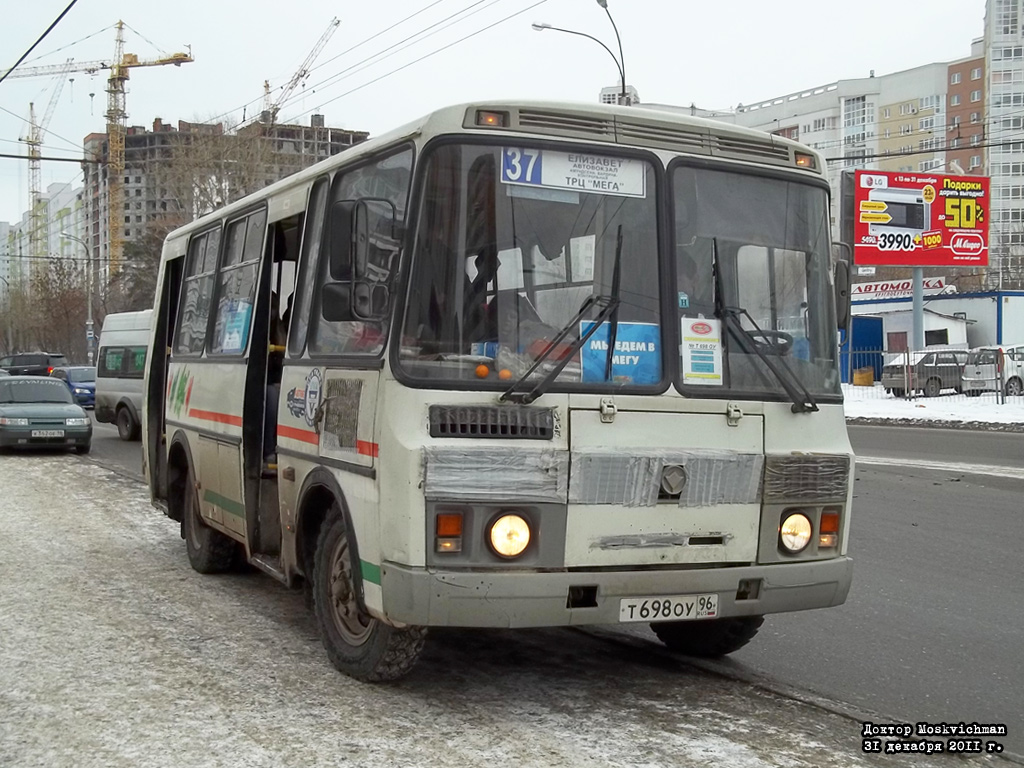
(930,373)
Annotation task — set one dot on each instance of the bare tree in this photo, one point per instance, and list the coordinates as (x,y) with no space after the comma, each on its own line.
(55,316)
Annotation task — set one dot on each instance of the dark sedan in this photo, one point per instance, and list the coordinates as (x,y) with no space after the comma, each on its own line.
(39,412)
(81,380)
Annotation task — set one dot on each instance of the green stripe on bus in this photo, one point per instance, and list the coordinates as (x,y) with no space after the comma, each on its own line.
(371,572)
(228,505)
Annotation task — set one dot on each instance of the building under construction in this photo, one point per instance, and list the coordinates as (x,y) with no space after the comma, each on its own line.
(182,171)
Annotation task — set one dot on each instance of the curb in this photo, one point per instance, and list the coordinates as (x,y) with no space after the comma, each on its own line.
(977,426)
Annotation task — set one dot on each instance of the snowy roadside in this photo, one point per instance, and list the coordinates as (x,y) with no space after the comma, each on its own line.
(113,652)
(870,405)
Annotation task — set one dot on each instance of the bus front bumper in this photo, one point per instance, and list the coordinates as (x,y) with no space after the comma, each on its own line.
(540,599)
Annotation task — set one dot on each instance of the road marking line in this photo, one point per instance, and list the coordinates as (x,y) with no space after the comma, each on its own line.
(1017,473)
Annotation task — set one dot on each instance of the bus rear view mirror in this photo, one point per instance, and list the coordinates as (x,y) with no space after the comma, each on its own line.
(370,301)
(341,302)
(342,239)
(842,285)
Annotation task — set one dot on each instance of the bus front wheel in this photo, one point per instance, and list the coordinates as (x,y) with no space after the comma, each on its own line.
(209,551)
(357,644)
(708,639)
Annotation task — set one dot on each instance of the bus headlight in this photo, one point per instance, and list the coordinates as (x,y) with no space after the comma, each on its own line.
(795,532)
(509,535)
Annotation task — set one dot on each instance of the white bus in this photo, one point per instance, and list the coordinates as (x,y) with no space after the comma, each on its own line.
(546,364)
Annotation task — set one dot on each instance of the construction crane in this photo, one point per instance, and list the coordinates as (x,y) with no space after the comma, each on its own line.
(34,140)
(116,116)
(271,108)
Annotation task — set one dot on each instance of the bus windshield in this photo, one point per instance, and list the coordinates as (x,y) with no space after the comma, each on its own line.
(518,252)
(753,266)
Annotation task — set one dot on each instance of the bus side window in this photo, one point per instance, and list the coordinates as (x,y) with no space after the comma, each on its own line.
(383,179)
(309,260)
(197,293)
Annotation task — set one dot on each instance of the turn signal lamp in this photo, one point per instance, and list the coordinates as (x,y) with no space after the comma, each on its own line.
(805,161)
(449,532)
(828,531)
(510,535)
(492,119)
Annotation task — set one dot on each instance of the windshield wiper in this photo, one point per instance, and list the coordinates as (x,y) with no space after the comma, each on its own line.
(613,323)
(803,402)
(608,305)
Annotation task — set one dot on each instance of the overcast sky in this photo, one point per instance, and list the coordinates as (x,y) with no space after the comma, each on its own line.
(713,54)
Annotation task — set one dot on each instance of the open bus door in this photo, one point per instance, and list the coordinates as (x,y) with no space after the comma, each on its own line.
(156,385)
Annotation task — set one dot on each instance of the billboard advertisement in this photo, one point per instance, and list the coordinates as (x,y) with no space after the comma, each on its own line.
(920,219)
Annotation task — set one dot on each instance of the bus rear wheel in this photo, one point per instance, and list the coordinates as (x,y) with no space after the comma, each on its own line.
(357,644)
(127,427)
(209,551)
(708,639)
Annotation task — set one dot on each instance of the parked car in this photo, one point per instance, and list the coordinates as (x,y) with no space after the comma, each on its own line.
(32,363)
(929,371)
(81,380)
(39,412)
(981,374)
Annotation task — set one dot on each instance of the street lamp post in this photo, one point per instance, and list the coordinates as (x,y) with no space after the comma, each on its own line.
(619,61)
(88,294)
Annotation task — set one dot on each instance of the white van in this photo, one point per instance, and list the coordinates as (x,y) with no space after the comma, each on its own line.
(120,365)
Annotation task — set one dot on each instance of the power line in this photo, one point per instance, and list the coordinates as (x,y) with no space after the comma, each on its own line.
(56,159)
(39,40)
(426,56)
(394,48)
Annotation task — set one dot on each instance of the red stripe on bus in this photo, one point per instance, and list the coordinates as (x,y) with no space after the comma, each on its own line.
(298,434)
(220,418)
(362,447)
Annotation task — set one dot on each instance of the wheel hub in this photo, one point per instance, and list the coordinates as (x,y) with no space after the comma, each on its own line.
(352,623)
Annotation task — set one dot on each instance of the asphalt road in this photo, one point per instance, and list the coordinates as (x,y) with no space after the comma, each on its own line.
(931,630)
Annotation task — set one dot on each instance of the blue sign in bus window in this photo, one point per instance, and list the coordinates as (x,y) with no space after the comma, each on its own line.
(637,355)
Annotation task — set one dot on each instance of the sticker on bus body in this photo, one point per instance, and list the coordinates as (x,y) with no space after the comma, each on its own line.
(576,171)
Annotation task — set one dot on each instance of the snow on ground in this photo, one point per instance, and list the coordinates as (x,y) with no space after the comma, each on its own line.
(873,404)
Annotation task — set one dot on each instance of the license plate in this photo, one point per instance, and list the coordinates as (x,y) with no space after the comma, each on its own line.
(671,608)
(47,433)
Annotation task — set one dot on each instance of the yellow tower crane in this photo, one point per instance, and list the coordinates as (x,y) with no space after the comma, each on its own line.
(272,106)
(116,116)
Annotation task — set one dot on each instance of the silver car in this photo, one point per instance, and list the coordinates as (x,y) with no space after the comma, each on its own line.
(982,371)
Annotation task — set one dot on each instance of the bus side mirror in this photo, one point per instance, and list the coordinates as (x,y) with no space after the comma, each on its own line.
(342,302)
(842,289)
(342,239)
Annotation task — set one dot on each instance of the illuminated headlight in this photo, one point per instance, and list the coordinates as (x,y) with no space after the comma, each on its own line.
(76,422)
(795,532)
(81,391)
(6,422)
(510,535)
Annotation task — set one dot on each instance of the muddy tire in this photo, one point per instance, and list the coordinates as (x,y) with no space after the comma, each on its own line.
(932,388)
(127,427)
(209,551)
(83,449)
(708,639)
(357,644)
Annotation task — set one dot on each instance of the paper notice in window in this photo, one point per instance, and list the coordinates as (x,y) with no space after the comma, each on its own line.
(510,269)
(581,253)
(701,351)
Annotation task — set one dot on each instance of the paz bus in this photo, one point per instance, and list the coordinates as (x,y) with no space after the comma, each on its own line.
(544,365)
